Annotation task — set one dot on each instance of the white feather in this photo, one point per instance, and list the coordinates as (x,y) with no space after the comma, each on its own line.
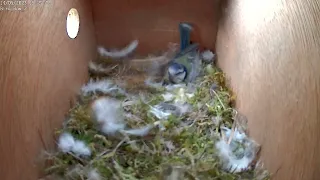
(163,110)
(156,111)
(207,56)
(239,154)
(108,113)
(183,107)
(140,131)
(66,142)
(181,96)
(111,127)
(168,96)
(97,68)
(172,87)
(81,149)
(104,86)
(238,136)
(230,162)
(119,53)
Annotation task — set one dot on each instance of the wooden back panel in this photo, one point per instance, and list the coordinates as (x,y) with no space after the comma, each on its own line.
(153,23)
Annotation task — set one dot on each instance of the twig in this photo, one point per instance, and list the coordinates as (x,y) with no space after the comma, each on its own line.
(224,108)
(223,136)
(106,151)
(198,116)
(76,157)
(232,132)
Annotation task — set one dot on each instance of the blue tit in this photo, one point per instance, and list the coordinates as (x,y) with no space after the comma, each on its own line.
(180,67)
(177,73)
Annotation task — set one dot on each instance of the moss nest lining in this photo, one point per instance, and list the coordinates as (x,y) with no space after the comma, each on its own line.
(126,129)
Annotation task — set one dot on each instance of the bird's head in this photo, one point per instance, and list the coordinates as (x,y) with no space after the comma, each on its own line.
(177,73)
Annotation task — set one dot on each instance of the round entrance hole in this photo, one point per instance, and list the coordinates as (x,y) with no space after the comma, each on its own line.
(73,23)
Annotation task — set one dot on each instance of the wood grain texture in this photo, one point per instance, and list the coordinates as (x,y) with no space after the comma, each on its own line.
(270,51)
(41,69)
(153,23)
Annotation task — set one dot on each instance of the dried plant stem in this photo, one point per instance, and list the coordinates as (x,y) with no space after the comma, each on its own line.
(216,94)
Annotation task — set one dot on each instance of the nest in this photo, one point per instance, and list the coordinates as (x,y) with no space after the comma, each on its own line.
(170,133)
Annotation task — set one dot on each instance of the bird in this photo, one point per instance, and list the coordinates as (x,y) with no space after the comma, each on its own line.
(180,67)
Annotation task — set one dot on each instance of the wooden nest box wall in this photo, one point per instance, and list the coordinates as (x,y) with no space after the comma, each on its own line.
(269,50)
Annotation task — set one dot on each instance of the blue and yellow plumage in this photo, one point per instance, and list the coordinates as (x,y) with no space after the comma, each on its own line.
(180,68)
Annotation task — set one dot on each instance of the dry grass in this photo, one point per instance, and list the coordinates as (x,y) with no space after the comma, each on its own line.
(185,150)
